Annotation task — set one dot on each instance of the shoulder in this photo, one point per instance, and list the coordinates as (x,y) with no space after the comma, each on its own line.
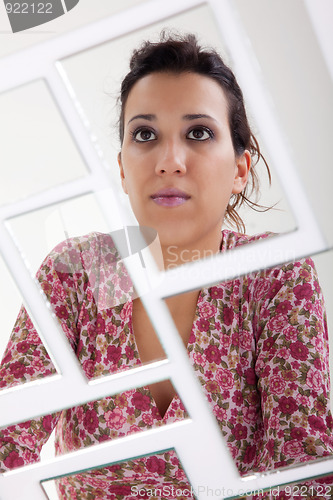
(232,239)
(89,242)
(76,261)
(87,266)
(78,252)
(299,275)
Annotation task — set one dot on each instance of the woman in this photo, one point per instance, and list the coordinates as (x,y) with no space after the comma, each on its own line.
(258,343)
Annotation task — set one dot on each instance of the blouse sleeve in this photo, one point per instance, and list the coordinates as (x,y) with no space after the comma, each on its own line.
(292,367)
(26,359)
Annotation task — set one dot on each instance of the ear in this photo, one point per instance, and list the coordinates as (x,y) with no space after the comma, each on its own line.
(242,169)
(122,175)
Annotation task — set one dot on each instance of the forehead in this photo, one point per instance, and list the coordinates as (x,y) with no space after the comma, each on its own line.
(165,93)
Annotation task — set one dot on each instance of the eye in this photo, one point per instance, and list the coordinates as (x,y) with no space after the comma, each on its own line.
(200,134)
(143,135)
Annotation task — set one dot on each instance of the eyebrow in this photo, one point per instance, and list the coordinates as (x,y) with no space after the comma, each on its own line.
(187,117)
(196,116)
(148,117)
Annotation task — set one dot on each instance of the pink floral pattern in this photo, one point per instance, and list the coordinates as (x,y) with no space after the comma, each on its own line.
(259,346)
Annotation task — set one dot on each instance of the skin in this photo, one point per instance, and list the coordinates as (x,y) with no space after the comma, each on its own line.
(167,145)
(176,135)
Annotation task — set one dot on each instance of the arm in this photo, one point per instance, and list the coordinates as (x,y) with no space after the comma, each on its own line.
(26,359)
(292,367)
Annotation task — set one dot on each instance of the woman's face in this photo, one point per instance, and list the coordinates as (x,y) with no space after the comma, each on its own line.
(177,163)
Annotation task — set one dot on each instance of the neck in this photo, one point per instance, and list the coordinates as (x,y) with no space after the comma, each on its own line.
(177,255)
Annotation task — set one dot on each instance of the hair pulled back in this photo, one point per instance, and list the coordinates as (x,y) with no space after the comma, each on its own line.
(178,54)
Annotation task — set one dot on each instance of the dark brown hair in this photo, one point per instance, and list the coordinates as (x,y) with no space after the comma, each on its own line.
(182,53)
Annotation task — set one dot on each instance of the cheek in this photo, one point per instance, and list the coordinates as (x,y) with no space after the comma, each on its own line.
(221,175)
(133,184)
(221,189)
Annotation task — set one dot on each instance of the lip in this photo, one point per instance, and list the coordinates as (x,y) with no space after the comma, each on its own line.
(170,197)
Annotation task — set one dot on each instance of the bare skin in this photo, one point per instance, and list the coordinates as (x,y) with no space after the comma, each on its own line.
(182,309)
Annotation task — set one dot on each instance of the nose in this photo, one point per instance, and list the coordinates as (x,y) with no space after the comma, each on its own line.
(171,159)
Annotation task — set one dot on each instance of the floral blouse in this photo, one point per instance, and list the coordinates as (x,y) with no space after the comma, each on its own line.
(259,346)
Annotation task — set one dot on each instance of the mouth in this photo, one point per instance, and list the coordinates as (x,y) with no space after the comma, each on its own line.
(170,197)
